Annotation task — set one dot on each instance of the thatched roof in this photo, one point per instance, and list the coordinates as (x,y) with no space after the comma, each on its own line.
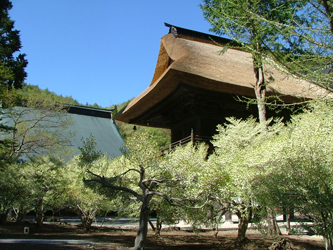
(192,59)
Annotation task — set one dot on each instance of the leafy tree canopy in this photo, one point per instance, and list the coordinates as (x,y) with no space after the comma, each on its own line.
(299,169)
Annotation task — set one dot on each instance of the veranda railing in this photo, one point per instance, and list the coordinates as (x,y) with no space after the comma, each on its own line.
(189,139)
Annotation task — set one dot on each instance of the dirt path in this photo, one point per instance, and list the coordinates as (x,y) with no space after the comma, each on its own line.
(74,238)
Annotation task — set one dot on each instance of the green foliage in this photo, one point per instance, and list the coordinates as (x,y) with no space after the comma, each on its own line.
(138,177)
(86,202)
(89,154)
(300,173)
(38,127)
(122,175)
(185,168)
(306,43)
(244,21)
(297,35)
(290,33)
(187,173)
(46,183)
(13,189)
(277,165)
(34,92)
(239,20)
(240,156)
(12,69)
(119,107)
(95,105)
(294,37)
(37,185)
(161,136)
(5,143)
(45,180)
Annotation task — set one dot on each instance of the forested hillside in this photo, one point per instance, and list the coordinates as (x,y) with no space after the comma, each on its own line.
(45,94)
(160,135)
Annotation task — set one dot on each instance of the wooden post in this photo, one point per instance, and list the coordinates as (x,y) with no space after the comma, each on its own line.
(192,136)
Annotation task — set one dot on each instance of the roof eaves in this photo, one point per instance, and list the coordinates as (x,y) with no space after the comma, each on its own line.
(89,111)
(179,31)
(90,108)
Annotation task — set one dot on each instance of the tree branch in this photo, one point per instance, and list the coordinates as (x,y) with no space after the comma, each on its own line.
(171,200)
(129,170)
(107,184)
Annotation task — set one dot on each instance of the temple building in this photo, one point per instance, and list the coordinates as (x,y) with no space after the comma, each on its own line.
(80,122)
(100,125)
(195,87)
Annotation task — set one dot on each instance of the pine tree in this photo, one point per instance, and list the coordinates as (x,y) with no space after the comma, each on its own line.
(242,21)
(12,70)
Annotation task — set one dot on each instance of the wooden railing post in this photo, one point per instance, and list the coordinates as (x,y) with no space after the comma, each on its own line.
(191,138)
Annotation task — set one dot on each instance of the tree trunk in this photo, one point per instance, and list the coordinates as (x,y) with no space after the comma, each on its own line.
(20,216)
(328,242)
(260,91)
(20,213)
(158,226)
(152,225)
(4,217)
(242,228)
(243,223)
(143,224)
(86,222)
(87,217)
(273,227)
(39,213)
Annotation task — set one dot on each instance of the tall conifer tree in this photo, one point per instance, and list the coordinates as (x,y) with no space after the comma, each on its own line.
(242,21)
(12,69)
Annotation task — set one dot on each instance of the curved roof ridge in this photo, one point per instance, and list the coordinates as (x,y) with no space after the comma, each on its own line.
(195,35)
(163,62)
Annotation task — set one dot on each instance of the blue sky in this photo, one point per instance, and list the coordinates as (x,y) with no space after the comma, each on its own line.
(98,51)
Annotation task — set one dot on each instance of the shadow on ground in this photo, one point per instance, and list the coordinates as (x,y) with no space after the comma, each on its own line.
(75,238)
